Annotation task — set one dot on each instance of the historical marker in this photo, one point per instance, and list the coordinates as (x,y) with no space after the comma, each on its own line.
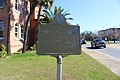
(58,38)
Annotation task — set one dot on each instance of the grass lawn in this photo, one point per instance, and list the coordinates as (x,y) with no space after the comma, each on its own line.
(32,67)
(112,42)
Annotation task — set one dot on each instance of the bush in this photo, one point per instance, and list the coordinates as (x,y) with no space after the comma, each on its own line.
(3,53)
(33,47)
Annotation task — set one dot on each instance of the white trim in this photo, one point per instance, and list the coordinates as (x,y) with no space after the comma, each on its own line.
(16,5)
(1,38)
(22,33)
(1,6)
(16,25)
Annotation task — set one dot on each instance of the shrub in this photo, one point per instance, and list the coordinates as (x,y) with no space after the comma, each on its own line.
(33,47)
(3,53)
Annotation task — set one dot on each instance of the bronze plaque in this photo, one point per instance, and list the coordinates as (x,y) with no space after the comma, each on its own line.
(56,39)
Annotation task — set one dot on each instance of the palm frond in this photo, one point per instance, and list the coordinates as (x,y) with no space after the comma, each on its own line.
(66,14)
(69,18)
(52,14)
(42,15)
(55,10)
(47,13)
(59,9)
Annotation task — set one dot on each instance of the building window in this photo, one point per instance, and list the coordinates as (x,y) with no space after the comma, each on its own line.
(16,4)
(1,29)
(16,30)
(22,32)
(22,8)
(1,3)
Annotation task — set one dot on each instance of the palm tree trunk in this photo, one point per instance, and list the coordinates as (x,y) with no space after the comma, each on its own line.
(26,34)
(8,29)
(38,19)
(26,28)
(35,2)
(39,13)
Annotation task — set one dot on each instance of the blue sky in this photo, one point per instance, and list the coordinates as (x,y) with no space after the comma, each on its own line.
(92,15)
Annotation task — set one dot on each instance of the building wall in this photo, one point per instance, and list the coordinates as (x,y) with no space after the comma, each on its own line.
(111,33)
(15,17)
(15,42)
(101,33)
(3,16)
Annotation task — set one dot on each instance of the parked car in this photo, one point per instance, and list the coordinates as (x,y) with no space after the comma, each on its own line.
(83,41)
(98,42)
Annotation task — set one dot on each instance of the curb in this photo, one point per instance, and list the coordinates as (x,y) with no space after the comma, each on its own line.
(110,62)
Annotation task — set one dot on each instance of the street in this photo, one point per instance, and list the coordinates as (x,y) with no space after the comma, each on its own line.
(109,56)
(111,51)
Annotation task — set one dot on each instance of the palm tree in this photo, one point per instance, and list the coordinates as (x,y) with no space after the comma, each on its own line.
(49,14)
(8,28)
(33,3)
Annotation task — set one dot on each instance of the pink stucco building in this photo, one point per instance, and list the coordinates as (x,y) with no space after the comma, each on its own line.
(17,19)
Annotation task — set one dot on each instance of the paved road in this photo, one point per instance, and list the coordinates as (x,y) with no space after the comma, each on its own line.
(112,51)
(100,55)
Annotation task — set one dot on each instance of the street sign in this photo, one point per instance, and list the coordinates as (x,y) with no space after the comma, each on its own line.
(58,38)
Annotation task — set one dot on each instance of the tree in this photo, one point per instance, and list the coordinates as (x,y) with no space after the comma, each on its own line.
(33,4)
(88,35)
(49,14)
(8,27)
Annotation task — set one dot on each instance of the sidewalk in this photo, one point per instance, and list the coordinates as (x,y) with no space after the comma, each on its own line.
(114,45)
(108,61)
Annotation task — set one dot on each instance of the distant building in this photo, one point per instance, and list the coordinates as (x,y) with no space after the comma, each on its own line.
(110,34)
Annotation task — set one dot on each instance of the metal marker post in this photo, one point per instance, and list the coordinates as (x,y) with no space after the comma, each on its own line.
(59,67)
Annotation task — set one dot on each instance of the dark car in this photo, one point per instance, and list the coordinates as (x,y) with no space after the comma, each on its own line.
(98,42)
(83,41)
